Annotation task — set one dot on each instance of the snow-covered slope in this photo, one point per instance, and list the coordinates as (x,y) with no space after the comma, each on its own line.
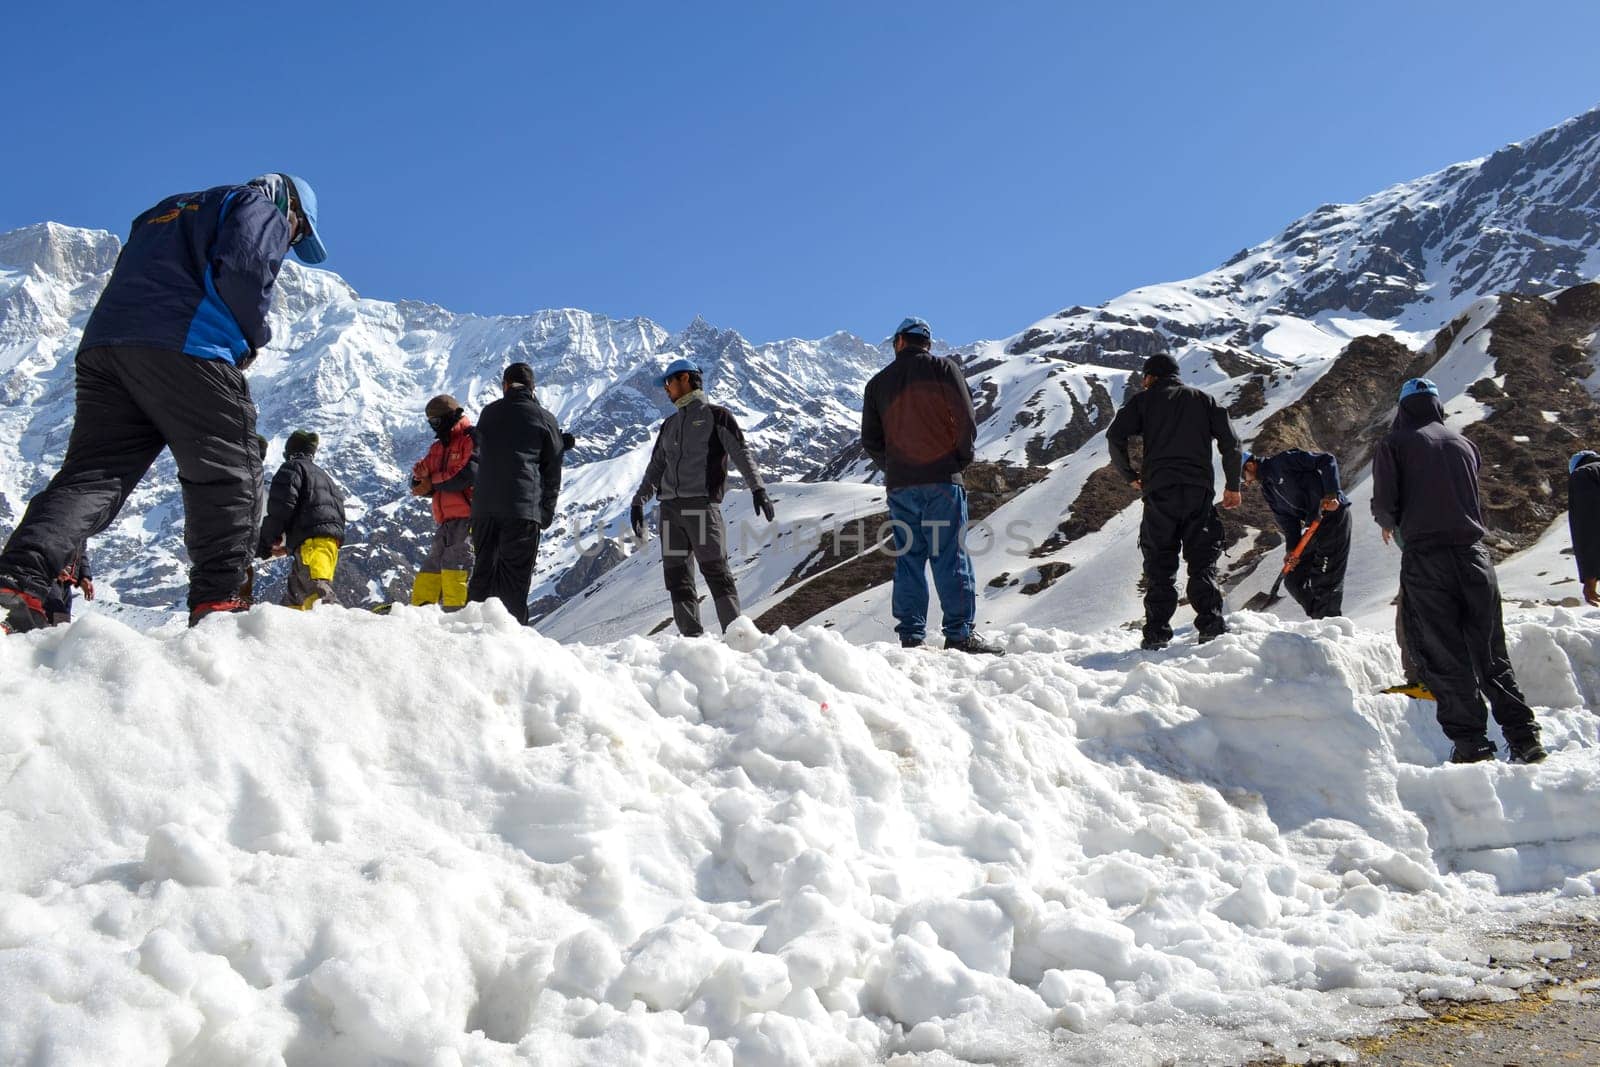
(338,838)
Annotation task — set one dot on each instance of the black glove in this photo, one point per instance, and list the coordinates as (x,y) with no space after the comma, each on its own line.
(568,442)
(636,517)
(764,504)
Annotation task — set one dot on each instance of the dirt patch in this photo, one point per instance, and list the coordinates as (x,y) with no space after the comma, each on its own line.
(1554,1021)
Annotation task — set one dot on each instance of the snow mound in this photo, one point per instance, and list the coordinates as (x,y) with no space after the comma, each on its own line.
(336,838)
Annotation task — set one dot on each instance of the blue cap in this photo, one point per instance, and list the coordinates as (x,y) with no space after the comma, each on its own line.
(1248,456)
(310,248)
(915,327)
(1418,387)
(1579,458)
(677,367)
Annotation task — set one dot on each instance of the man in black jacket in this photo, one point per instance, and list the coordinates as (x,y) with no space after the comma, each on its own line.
(1425,496)
(1179,424)
(918,425)
(1300,487)
(161,366)
(514,499)
(1583,520)
(688,470)
(305,521)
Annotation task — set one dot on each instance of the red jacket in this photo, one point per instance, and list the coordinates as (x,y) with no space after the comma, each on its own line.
(451,466)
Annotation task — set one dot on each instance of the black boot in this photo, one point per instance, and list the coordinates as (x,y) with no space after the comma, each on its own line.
(974,645)
(1527,751)
(1476,750)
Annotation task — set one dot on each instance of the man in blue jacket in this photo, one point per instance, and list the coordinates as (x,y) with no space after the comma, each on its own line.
(161,365)
(1425,496)
(918,425)
(1300,487)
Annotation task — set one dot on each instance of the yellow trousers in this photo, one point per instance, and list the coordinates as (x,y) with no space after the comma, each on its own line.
(448,588)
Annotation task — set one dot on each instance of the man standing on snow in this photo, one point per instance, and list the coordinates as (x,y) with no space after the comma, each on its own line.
(1179,424)
(918,426)
(1425,496)
(446,476)
(161,365)
(1301,487)
(514,499)
(305,521)
(689,470)
(1583,519)
(75,575)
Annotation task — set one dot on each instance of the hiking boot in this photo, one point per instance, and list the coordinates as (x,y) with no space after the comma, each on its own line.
(911,642)
(215,607)
(974,645)
(22,611)
(1528,751)
(1475,751)
(1152,644)
(1209,636)
(1414,690)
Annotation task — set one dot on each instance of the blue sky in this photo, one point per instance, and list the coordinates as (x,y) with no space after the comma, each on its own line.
(786,169)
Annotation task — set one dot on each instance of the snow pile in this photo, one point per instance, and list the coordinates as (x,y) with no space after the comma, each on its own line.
(427,839)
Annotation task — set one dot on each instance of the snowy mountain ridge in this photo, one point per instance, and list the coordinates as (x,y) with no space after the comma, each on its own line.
(1258,331)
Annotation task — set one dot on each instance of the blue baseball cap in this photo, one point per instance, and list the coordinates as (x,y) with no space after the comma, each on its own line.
(1580,458)
(915,327)
(677,367)
(1248,456)
(1418,387)
(309,249)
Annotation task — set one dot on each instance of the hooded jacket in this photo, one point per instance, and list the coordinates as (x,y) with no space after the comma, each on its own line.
(195,276)
(1178,423)
(452,466)
(691,454)
(1294,483)
(1425,479)
(917,420)
(1583,518)
(519,460)
(303,503)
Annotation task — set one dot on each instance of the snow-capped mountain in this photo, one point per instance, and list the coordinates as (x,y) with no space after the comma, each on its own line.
(1259,331)
(359,371)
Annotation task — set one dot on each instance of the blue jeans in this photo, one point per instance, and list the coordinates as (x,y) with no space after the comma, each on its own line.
(928,521)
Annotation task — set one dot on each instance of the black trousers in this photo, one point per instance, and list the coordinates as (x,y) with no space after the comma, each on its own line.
(1451,603)
(693,531)
(504,551)
(1317,583)
(132,403)
(1181,519)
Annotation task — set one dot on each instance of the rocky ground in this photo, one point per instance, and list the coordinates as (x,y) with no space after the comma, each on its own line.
(1555,1020)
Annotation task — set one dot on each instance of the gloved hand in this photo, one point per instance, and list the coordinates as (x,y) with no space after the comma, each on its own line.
(763,504)
(636,519)
(568,442)
(421,485)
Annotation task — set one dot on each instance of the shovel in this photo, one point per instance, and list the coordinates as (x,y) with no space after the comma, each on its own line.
(1263,601)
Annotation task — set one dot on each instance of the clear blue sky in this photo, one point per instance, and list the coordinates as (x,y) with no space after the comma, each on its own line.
(786,169)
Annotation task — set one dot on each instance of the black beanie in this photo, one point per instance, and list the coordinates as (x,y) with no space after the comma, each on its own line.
(517,374)
(1161,365)
(301,443)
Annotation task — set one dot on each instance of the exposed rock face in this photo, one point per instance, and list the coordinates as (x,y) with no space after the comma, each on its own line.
(1540,410)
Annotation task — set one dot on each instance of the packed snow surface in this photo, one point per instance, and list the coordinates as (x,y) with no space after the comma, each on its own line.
(336,838)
